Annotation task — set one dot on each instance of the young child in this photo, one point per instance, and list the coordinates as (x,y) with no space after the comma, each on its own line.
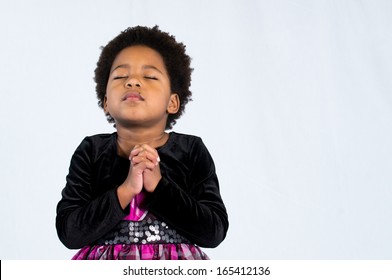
(142,193)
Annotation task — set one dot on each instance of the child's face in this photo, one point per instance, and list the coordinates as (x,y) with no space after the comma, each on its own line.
(138,92)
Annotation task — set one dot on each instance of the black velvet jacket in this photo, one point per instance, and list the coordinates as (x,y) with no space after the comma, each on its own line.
(187,197)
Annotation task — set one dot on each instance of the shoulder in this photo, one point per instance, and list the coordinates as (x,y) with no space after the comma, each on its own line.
(185,141)
(191,145)
(186,138)
(95,145)
(192,149)
(100,139)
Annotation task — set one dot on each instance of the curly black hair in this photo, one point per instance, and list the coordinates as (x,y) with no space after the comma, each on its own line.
(177,63)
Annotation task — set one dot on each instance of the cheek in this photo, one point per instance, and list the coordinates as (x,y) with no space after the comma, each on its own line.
(109,101)
(108,89)
(110,93)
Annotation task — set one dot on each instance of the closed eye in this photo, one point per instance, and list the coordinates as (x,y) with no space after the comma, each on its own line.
(120,77)
(150,77)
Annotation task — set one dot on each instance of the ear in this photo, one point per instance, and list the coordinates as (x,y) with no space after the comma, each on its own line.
(174,104)
(105,105)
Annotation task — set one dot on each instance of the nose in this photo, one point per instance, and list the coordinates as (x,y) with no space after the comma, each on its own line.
(132,82)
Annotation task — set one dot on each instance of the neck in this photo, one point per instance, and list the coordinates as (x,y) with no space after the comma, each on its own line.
(128,138)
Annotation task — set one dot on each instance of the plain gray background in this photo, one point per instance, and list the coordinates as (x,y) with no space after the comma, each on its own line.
(292,98)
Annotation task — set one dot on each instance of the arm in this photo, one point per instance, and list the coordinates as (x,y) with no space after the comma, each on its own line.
(196,210)
(82,215)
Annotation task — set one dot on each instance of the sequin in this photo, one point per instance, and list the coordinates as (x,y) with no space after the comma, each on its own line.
(149,230)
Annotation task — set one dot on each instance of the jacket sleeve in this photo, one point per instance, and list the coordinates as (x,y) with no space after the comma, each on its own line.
(83,217)
(196,211)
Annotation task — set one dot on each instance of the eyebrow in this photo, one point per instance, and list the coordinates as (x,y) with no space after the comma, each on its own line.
(144,67)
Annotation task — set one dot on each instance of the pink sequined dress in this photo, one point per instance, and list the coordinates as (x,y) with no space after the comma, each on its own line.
(141,236)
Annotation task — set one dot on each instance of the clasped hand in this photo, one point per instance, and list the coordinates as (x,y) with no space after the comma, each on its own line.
(144,170)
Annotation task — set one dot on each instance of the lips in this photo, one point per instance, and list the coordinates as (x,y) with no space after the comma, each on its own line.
(133,96)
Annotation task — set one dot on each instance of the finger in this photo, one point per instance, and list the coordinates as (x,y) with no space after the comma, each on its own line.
(142,163)
(151,153)
(150,149)
(149,165)
(150,156)
(153,158)
(145,158)
(138,159)
(145,151)
(135,151)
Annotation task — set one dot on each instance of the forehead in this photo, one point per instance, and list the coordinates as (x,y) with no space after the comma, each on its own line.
(139,55)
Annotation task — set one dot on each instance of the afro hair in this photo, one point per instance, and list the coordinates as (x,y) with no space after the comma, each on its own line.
(176,60)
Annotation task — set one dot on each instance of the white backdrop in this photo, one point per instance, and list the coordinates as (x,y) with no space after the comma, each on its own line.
(292,98)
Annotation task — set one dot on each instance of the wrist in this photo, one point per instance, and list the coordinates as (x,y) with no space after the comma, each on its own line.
(125,195)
